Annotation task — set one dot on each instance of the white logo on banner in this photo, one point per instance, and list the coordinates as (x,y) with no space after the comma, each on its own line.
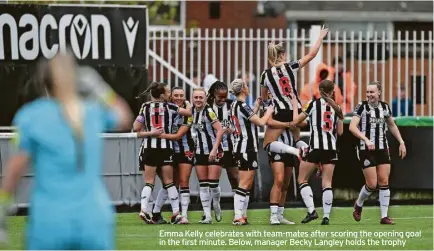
(34,40)
(130,29)
(80,26)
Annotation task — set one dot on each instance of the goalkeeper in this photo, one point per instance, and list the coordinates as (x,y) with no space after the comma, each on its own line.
(58,137)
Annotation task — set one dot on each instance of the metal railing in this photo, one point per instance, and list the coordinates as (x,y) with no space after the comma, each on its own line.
(404,58)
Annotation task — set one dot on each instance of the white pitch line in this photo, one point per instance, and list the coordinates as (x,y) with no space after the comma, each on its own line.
(412,218)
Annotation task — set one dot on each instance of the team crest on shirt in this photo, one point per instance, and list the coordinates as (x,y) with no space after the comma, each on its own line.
(277,157)
(367,162)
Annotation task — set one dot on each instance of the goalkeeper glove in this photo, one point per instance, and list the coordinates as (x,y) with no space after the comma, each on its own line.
(92,85)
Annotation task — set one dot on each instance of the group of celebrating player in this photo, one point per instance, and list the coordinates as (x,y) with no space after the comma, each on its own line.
(217,132)
(57,135)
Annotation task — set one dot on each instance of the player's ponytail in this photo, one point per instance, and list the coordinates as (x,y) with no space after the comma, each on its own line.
(155,88)
(236,86)
(326,88)
(275,51)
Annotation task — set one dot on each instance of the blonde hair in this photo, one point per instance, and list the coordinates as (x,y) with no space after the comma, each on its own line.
(275,51)
(199,89)
(236,86)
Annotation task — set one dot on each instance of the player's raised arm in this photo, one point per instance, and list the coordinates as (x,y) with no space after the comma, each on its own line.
(91,83)
(315,48)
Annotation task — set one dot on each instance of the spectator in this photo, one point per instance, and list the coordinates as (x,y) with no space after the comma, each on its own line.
(322,72)
(402,103)
(343,78)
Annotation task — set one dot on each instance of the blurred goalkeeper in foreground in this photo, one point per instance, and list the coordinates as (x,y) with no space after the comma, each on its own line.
(57,136)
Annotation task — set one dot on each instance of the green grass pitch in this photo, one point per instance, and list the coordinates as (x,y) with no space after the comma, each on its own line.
(413,229)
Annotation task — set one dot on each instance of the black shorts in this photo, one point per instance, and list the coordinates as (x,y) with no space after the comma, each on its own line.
(228,160)
(247,161)
(155,157)
(284,115)
(286,159)
(202,160)
(373,158)
(322,157)
(184,158)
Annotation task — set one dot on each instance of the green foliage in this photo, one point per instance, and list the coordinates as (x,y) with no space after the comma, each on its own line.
(160,12)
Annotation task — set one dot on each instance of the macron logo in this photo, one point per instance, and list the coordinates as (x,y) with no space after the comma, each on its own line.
(130,29)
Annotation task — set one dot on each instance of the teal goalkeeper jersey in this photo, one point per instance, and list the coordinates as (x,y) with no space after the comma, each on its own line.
(68,184)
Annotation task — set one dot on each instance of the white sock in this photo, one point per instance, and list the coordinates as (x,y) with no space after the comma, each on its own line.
(364,193)
(185,200)
(327,201)
(146,194)
(161,198)
(215,192)
(174,197)
(282,148)
(280,211)
(150,204)
(384,195)
(205,197)
(307,195)
(273,209)
(246,204)
(239,202)
(300,144)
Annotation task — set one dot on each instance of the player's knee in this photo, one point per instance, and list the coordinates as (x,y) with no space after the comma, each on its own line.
(285,185)
(371,183)
(383,182)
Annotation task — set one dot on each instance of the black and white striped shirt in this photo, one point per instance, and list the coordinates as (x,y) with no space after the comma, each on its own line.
(203,132)
(186,143)
(323,124)
(282,82)
(373,123)
(155,115)
(223,114)
(286,137)
(246,132)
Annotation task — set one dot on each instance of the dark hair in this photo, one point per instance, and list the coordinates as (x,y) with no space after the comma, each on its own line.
(326,87)
(155,88)
(174,89)
(213,89)
(338,60)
